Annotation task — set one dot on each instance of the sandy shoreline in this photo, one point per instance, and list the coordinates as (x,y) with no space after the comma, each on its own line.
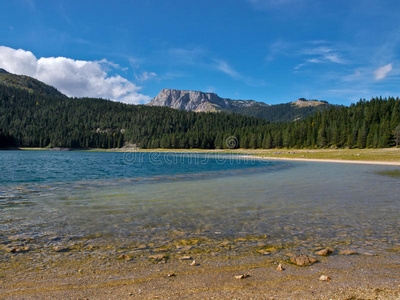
(341,161)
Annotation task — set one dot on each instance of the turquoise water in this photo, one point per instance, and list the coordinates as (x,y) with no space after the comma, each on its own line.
(124,198)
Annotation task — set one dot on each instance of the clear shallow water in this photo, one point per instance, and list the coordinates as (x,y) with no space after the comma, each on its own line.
(153,197)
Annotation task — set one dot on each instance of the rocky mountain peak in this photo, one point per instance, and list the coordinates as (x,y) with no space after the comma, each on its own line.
(198,101)
(302,102)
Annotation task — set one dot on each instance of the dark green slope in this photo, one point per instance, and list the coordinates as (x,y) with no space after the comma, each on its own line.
(286,112)
(28,83)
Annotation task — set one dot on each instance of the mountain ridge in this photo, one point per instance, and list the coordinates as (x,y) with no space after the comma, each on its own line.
(198,101)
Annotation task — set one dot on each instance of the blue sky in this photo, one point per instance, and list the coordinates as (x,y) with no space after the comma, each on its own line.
(266,50)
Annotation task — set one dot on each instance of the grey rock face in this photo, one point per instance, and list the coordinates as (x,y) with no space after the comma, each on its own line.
(198,101)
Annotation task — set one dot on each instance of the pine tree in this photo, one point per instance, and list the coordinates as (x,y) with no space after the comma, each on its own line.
(396,134)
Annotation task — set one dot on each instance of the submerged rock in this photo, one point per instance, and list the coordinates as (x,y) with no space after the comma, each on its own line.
(185,258)
(264,252)
(158,257)
(183,249)
(242,276)
(301,260)
(25,248)
(124,257)
(348,252)
(369,254)
(325,252)
(60,249)
(19,237)
(16,249)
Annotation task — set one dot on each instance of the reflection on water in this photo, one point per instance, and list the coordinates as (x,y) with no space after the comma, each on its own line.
(288,204)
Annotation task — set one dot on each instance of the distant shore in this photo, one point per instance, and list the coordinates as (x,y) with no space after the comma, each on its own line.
(342,161)
(384,156)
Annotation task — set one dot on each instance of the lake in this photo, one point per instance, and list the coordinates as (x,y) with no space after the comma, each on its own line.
(158,199)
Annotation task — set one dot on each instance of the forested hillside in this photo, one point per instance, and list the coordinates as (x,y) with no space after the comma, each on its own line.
(30,119)
(286,112)
(33,120)
(366,124)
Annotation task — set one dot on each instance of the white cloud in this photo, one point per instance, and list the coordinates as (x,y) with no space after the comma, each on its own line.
(308,53)
(199,57)
(77,78)
(318,55)
(145,76)
(314,60)
(134,62)
(321,54)
(278,48)
(224,67)
(334,57)
(210,89)
(187,56)
(354,76)
(383,71)
(227,69)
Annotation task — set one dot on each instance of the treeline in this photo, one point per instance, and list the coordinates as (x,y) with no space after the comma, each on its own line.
(366,124)
(6,141)
(29,119)
(286,112)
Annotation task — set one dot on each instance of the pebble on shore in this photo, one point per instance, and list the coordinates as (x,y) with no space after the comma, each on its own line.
(280,268)
(194,263)
(324,278)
